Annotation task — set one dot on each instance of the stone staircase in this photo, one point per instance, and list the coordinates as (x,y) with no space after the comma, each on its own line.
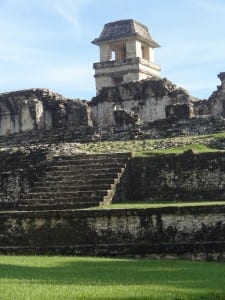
(76,181)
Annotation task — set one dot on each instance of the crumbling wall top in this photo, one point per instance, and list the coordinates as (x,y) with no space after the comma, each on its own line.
(43,94)
(153,87)
(222,76)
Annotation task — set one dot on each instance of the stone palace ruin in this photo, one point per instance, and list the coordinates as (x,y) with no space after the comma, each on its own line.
(48,187)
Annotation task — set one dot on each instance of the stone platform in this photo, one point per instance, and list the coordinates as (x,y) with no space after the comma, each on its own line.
(185,232)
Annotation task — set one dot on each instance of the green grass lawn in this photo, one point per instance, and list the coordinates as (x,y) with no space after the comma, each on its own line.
(41,278)
(198,148)
(130,205)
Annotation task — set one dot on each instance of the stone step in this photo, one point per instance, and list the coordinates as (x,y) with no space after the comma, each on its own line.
(107,198)
(88,171)
(84,167)
(75,176)
(71,188)
(74,182)
(8,205)
(92,160)
(94,156)
(66,206)
(55,195)
(61,200)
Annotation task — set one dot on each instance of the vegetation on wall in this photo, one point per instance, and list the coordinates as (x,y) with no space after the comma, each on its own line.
(198,143)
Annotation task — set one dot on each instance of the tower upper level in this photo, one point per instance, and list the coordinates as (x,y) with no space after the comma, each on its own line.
(126,53)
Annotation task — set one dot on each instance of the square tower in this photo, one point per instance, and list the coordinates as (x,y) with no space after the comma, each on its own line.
(126,54)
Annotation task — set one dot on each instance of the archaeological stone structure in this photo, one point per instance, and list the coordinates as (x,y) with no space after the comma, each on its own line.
(126,54)
(141,102)
(49,185)
(129,90)
(39,109)
(42,194)
(153,99)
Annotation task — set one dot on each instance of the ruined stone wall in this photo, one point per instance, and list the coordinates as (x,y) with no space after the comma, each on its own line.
(18,170)
(172,177)
(190,232)
(159,129)
(144,101)
(217,99)
(166,128)
(153,99)
(39,109)
(134,103)
(178,177)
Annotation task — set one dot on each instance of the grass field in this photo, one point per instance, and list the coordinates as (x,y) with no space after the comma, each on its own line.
(130,205)
(41,278)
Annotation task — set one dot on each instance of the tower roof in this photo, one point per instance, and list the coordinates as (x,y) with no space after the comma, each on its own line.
(125,29)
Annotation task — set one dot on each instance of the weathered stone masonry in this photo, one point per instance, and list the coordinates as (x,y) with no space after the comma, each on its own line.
(190,232)
(34,176)
(174,177)
(178,177)
(135,104)
(144,101)
(18,172)
(39,180)
(39,109)
(133,48)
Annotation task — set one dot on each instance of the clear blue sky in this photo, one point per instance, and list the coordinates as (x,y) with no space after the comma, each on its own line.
(47,43)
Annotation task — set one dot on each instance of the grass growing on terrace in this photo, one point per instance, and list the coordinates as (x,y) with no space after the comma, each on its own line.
(135,205)
(198,143)
(35,278)
(198,148)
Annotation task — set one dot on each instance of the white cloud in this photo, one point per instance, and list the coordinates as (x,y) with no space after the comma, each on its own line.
(68,17)
(68,10)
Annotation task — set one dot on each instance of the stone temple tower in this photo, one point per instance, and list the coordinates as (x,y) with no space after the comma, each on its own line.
(126,54)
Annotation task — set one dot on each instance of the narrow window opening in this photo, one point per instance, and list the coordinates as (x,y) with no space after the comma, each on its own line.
(119,53)
(145,52)
(113,55)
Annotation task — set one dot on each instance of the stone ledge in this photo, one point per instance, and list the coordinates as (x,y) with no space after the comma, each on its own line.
(74,213)
(210,251)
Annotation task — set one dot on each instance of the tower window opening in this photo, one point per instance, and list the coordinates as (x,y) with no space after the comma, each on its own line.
(119,53)
(113,55)
(145,52)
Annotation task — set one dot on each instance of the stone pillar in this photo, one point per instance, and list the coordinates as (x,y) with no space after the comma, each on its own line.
(151,55)
(105,52)
(133,48)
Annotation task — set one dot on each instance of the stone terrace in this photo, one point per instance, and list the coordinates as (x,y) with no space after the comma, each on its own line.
(85,134)
(38,179)
(77,181)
